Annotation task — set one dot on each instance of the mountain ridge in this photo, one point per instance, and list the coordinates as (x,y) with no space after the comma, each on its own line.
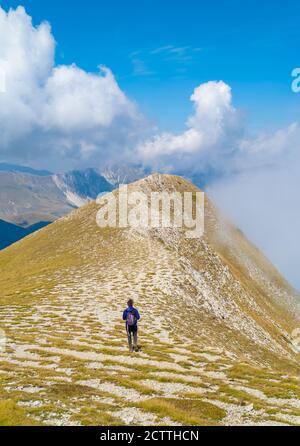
(216,328)
(6,167)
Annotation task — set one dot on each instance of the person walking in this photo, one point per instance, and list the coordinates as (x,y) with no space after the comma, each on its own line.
(131,316)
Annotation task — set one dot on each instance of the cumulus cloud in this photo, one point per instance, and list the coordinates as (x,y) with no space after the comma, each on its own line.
(26,55)
(211,132)
(217,140)
(53,111)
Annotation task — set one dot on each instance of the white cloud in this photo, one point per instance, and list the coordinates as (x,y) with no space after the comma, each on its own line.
(171,59)
(211,131)
(80,101)
(279,147)
(50,111)
(26,55)
(217,140)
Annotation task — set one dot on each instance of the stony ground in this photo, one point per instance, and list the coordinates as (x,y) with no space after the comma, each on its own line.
(66,362)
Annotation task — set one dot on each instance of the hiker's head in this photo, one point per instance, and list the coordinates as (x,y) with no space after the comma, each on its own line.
(130,303)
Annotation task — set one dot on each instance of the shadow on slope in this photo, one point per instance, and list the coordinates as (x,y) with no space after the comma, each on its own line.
(10,233)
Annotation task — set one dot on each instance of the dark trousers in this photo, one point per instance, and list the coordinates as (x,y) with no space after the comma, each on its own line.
(132,333)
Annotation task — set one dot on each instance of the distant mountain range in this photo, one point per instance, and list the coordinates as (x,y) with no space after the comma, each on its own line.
(31,198)
(28,196)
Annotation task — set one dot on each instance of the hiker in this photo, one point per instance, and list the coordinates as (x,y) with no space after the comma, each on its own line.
(131,316)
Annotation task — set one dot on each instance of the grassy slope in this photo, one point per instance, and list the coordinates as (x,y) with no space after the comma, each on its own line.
(66,361)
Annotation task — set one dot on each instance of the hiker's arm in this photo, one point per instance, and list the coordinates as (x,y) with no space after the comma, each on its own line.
(124,315)
(138,315)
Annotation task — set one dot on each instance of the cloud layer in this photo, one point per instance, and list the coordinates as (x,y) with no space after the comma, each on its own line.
(57,110)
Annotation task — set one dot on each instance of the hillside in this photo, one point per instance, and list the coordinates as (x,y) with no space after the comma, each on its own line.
(26,199)
(216,325)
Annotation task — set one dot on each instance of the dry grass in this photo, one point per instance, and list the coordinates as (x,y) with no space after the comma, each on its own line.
(12,415)
(188,412)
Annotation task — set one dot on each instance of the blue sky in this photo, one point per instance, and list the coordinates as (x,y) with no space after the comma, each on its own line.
(159,51)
